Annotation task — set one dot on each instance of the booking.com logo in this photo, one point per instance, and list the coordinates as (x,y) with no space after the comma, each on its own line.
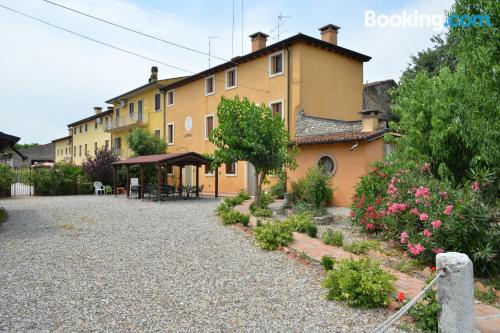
(417,20)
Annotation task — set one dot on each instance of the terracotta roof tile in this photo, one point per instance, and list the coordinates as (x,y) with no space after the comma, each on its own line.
(338,137)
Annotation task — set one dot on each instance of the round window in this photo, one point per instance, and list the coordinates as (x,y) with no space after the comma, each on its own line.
(327,164)
(188,123)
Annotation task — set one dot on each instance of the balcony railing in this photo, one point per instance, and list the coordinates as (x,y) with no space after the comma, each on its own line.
(127,121)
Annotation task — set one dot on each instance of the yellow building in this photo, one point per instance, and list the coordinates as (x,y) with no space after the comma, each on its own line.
(89,135)
(305,81)
(63,149)
(140,107)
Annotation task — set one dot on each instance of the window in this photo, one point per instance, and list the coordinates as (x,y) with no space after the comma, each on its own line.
(276,64)
(95,148)
(327,164)
(80,150)
(157,102)
(140,106)
(117,118)
(66,151)
(170,97)
(117,144)
(170,133)
(85,127)
(106,144)
(86,151)
(158,133)
(80,128)
(210,85)
(209,125)
(208,170)
(231,169)
(131,110)
(231,78)
(74,130)
(74,151)
(96,123)
(277,108)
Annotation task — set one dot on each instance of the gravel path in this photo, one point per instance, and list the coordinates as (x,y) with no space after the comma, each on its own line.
(83,263)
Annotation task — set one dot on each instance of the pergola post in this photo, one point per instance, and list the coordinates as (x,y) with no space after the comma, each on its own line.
(142,182)
(127,190)
(158,180)
(166,174)
(180,176)
(114,179)
(197,181)
(217,182)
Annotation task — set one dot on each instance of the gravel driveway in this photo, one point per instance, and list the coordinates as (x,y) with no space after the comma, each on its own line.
(84,263)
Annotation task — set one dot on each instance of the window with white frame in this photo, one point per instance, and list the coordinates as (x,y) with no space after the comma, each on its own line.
(170,133)
(231,169)
(231,78)
(210,85)
(277,108)
(276,64)
(157,102)
(327,164)
(131,110)
(170,97)
(158,133)
(209,125)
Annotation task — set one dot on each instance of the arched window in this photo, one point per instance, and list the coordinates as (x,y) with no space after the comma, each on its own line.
(327,164)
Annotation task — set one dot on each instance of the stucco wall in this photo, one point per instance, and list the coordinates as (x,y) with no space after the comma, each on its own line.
(350,165)
(90,137)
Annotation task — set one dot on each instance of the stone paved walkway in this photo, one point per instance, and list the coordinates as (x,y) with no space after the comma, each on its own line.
(487,317)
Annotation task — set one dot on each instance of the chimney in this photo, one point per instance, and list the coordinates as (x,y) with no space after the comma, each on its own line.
(110,108)
(154,74)
(329,33)
(259,40)
(369,120)
(97,109)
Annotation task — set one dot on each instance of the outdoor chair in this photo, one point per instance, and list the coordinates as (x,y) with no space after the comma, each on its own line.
(108,189)
(99,188)
(150,192)
(167,191)
(134,187)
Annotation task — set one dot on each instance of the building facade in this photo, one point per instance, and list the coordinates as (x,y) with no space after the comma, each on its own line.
(89,134)
(63,149)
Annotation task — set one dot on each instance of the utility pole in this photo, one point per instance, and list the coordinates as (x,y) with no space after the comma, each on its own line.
(210,48)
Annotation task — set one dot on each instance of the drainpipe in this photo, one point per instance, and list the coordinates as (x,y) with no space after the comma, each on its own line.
(164,129)
(288,95)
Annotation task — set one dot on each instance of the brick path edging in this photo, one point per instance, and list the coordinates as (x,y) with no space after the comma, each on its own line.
(487,316)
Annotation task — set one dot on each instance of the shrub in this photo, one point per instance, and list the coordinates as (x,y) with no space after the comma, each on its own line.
(361,283)
(3,215)
(314,188)
(304,207)
(99,168)
(245,220)
(362,247)
(405,202)
(7,177)
(272,235)
(278,190)
(233,217)
(425,313)
(259,211)
(302,223)
(62,179)
(243,195)
(223,207)
(327,262)
(332,237)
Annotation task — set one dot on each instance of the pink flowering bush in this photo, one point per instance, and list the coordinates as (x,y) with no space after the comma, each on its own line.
(425,216)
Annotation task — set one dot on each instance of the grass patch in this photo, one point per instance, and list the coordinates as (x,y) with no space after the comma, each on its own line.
(489,296)
(362,247)
(332,237)
(3,215)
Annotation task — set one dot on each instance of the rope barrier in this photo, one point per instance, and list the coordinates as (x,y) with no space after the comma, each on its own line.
(386,324)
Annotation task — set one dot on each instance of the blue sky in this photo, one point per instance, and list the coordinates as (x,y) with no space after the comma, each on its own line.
(50,78)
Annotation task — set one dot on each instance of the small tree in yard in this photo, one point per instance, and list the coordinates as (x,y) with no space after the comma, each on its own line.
(99,168)
(144,143)
(250,132)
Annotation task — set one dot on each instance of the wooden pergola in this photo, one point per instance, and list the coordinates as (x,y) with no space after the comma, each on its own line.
(172,159)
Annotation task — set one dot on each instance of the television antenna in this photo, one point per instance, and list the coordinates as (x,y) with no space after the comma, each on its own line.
(281,20)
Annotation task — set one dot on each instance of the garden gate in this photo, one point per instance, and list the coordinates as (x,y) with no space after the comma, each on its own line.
(22,185)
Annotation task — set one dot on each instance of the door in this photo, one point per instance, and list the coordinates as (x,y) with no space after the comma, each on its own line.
(251,178)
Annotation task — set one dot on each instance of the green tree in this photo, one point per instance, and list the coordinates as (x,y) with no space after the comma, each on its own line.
(452,118)
(144,143)
(250,132)
(26,145)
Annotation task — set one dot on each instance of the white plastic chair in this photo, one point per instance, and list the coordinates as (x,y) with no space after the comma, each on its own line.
(99,188)
(134,185)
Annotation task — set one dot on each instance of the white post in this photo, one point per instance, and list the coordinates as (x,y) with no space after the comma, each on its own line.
(455,293)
